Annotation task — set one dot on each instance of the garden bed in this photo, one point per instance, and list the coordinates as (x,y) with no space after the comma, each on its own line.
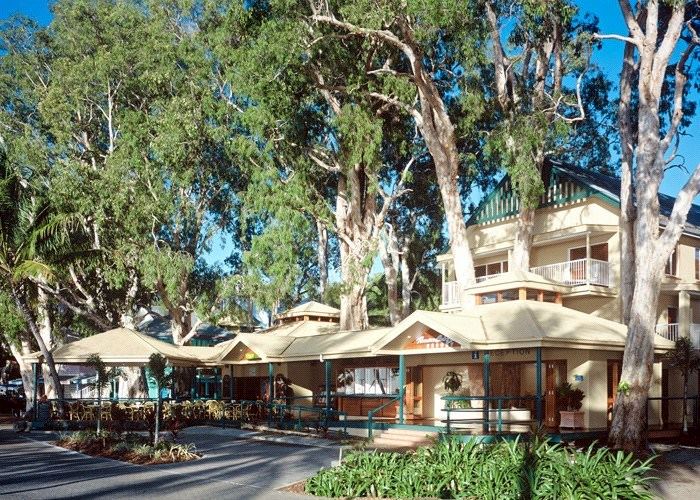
(455,469)
(132,448)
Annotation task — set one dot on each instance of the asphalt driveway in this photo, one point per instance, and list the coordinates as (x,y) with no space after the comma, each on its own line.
(32,468)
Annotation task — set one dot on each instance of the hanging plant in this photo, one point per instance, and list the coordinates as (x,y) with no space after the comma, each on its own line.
(345,378)
(452,381)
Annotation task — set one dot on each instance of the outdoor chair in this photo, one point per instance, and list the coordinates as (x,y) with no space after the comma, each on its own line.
(107,411)
(74,410)
(86,412)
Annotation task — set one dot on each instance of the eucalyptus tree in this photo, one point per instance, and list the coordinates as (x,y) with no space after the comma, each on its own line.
(312,127)
(540,55)
(660,47)
(423,55)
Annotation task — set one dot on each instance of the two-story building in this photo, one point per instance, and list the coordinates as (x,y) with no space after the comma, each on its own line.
(510,339)
(514,336)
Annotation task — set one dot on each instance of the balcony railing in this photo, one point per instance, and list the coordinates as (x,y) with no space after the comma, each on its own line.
(668,331)
(479,279)
(577,272)
(450,293)
(671,331)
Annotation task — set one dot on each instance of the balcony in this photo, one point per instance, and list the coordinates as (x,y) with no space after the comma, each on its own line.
(479,279)
(450,294)
(577,272)
(671,331)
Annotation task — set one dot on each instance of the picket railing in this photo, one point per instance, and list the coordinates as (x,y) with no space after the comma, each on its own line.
(576,272)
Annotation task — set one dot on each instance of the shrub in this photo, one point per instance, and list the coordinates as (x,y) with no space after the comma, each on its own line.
(455,469)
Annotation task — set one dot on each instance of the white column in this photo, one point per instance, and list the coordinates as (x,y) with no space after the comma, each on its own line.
(684,313)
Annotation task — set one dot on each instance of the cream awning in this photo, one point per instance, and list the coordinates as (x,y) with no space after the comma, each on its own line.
(121,347)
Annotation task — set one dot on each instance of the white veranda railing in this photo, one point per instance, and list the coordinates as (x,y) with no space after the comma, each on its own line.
(577,272)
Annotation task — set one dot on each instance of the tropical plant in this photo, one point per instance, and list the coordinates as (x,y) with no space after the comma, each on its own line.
(570,399)
(513,470)
(103,377)
(345,378)
(685,358)
(158,372)
(452,381)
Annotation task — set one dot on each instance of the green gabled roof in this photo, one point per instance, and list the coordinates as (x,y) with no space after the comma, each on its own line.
(563,184)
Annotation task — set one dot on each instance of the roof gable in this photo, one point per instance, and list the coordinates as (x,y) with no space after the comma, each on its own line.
(566,184)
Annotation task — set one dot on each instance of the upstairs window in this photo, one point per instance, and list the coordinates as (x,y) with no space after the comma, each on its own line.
(672,264)
(491,269)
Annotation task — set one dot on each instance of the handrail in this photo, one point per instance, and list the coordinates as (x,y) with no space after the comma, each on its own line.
(321,411)
(371,413)
(486,410)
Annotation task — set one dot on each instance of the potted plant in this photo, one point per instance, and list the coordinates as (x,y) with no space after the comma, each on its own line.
(345,378)
(452,381)
(569,401)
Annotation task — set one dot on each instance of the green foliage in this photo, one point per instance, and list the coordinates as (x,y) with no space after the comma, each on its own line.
(569,398)
(158,371)
(455,469)
(12,325)
(452,381)
(129,447)
(684,356)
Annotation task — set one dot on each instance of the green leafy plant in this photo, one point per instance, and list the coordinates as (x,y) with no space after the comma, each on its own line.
(513,470)
(452,381)
(103,377)
(157,366)
(569,399)
(684,358)
(345,378)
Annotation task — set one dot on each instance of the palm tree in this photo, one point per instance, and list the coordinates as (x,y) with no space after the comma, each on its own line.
(684,358)
(25,228)
(103,377)
(157,366)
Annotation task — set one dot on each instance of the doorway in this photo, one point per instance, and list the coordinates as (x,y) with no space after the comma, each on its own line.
(614,370)
(555,374)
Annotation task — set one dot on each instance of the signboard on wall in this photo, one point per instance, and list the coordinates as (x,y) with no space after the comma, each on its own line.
(430,339)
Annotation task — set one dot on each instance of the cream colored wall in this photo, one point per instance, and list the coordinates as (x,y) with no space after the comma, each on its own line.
(666,300)
(603,307)
(488,237)
(685,269)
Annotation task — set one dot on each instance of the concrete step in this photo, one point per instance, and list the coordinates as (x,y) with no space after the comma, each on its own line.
(403,438)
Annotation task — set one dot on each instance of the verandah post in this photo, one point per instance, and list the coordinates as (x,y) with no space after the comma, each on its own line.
(538,385)
(35,371)
(487,391)
(402,386)
(327,377)
(270,392)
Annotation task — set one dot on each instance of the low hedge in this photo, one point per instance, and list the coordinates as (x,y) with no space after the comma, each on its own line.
(507,470)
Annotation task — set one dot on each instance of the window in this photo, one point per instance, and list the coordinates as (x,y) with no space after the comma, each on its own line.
(491,269)
(672,315)
(374,380)
(697,263)
(507,295)
(548,296)
(598,252)
(672,264)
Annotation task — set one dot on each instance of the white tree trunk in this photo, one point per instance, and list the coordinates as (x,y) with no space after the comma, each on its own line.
(322,255)
(46,331)
(522,245)
(25,370)
(407,283)
(389,255)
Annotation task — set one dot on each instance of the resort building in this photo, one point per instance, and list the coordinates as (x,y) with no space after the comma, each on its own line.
(510,340)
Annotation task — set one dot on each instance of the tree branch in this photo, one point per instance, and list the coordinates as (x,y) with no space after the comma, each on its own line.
(679,215)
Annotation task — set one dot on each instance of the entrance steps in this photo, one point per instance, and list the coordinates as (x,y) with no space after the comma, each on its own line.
(403,438)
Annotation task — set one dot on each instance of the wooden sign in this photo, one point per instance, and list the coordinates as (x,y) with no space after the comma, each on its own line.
(430,339)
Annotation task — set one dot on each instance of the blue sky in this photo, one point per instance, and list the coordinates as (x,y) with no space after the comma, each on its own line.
(608,59)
